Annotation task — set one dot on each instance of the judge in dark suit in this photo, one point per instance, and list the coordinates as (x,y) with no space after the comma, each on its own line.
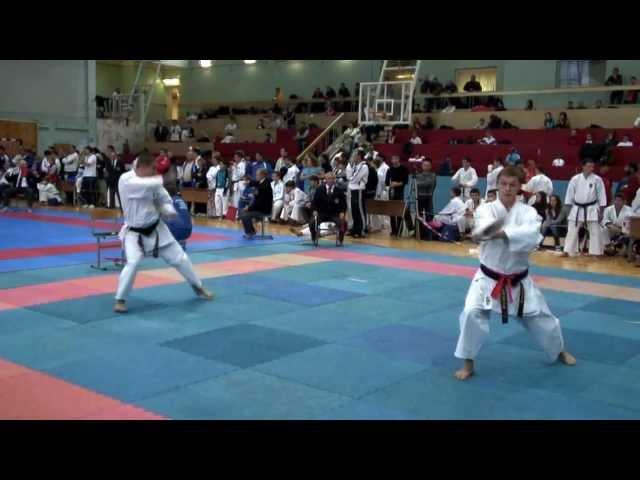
(329,204)
(261,205)
(114,169)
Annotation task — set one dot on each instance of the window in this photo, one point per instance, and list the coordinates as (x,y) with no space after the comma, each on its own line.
(486,76)
(580,73)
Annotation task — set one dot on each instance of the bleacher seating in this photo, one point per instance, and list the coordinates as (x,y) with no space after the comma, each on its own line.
(540,145)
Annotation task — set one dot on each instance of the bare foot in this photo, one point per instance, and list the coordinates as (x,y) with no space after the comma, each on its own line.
(466,371)
(295,231)
(567,358)
(120,307)
(203,293)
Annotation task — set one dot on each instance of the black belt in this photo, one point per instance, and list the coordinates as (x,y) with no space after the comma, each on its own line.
(503,289)
(583,207)
(146,231)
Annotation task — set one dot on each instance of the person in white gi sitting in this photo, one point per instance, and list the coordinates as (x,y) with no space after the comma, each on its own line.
(508,231)
(144,201)
(451,213)
(466,222)
(614,219)
(277,187)
(48,193)
(294,201)
(588,197)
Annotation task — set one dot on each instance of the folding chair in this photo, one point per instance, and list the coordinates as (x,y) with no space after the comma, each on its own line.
(105,225)
(262,236)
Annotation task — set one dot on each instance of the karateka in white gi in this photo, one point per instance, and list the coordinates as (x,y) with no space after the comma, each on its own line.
(466,177)
(538,183)
(492,175)
(588,197)
(144,202)
(508,231)
(615,219)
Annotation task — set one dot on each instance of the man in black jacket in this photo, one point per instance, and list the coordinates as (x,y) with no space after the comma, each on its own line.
(20,180)
(114,169)
(397,179)
(261,205)
(329,204)
(615,79)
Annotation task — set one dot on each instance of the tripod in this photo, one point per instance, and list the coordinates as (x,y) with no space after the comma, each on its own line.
(411,205)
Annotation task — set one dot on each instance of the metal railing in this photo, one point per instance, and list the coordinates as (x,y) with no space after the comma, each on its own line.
(326,138)
(125,106)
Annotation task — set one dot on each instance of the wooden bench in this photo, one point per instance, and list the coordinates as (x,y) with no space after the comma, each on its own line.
(194,195)
(69,188)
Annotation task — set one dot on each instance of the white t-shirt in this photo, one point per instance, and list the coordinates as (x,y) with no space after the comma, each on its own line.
(175,132)
(90,166)
(416,140)
(625,144)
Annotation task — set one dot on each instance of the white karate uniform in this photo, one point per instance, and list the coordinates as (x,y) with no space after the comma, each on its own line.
(237,172)
(292,174)
(467,179)
(452,212)
(619,220)
(293,204)
(465,222)
(635,204)
(492,178)
(278,199)
(538,183)
(585,190)
(211,186)
(511,256)
(175,131)
(47,192)
(144,200)
(378,222)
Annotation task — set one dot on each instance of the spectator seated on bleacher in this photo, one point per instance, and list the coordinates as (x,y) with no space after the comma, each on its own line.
(187,134)
(488,139)
(481,125)
(415,138)
(48,193)
(555,223)
(161,132)
(495,122)
(549,122)
(228,138)
(302,136)
(625,142)
(232,126)
(563,121)
(175,132)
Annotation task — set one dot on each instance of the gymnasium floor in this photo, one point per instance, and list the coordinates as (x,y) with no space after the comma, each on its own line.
(295,332)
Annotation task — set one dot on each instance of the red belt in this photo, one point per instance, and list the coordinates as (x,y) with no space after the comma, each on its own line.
(503,288)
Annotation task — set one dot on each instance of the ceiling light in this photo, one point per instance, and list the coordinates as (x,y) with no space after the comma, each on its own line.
(249,62)
(205,63)
(171,82)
